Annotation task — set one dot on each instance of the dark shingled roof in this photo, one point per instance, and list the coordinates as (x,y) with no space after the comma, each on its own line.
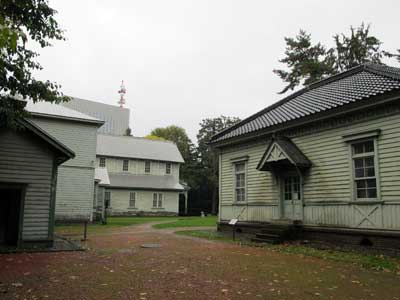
(354,85)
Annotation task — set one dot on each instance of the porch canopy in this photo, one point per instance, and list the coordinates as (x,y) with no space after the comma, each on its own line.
(282,152)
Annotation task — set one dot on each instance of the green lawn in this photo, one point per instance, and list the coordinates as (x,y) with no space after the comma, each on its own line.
(376,262)
(189,222)
(112,222)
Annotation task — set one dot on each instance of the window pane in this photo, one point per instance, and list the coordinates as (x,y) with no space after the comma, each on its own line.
(371,193)
(369,146)
(154,200)
(160,198)
(239,168)
(359,173)
(358,148)
(369,161)
(361,184)
(358,162)
(371,183)
(361,193)
(370,172)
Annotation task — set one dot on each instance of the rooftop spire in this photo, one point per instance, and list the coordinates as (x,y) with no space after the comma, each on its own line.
(122,92)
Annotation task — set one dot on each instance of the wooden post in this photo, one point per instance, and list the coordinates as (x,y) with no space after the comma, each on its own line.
(85,231)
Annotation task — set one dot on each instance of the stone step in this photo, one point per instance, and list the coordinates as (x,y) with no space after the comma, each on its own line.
(266,241)
(267,236)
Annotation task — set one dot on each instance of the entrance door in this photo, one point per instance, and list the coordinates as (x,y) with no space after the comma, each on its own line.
(292,206)
(10,208)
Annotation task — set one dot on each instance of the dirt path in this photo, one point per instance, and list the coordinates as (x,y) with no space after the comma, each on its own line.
(116,267)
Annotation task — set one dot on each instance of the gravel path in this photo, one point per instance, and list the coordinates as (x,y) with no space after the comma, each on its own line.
(116,267)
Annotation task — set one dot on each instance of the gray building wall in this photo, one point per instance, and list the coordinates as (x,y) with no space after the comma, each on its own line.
(75,184)
(25,159)
(116,118)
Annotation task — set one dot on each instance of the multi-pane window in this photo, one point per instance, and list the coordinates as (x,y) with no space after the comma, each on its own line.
(132,199)
(157,200)
(125,165)
(292,188)
(147,166)
(240,182)
(363,155)
(168,168)
(107,199)
(102,162)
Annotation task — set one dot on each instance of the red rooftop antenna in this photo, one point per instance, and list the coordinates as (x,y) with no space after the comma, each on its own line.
(122,92)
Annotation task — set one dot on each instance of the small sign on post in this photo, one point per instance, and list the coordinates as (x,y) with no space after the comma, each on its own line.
(233,223)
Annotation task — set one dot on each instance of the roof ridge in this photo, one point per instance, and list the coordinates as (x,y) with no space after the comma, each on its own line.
(138,138)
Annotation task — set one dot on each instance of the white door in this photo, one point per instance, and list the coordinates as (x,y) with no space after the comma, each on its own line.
(292,205)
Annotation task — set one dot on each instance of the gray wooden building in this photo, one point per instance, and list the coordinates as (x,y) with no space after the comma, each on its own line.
(325,159)
(29,159)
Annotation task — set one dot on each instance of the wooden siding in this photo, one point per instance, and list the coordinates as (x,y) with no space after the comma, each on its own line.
(136,167)
(75,185)
(144,201)
(26,160)
(327,187)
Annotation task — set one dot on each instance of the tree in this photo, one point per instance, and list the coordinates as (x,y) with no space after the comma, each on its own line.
(209,158)
(308,63)
(23,22)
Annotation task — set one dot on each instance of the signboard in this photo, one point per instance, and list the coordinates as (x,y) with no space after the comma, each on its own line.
(233,221)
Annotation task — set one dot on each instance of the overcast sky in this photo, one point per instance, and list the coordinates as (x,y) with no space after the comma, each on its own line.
(184,60)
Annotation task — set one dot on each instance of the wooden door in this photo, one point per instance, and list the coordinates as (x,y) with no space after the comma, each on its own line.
(292,204)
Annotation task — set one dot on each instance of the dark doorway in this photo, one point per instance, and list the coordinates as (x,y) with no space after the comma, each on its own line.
(182,207)
(10,209)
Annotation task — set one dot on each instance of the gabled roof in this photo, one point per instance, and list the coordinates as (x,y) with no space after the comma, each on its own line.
(148,182)
(57,111)
(355,85)
(65,153)
(282,149)
(140,148)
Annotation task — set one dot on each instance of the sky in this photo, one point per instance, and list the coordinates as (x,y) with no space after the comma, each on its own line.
(186,60)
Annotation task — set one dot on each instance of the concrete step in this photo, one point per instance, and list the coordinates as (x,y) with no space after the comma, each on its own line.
(267,236)
(266,241)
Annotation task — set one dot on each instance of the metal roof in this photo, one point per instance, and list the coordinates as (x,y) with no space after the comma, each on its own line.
(134,147)
(355,85)
(150,182)
(53,110)
(101,175)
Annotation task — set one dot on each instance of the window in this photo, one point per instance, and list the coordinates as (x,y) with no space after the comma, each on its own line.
(168,168)
(364,174)
(292,188)
(147,167)
(102,162)
(107,199)
(240,182)
(125,165)
(157,200)
(132,199)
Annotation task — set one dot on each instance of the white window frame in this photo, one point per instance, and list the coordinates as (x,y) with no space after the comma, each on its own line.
(376,168)
(125,165)
(168,168)
(147,167)
(235,182)
(132,199)
(107,197)
(295,181)
(102,162)
(158,200)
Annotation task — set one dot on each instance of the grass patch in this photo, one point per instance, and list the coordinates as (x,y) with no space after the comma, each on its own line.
(206,234)
(189,222)
(376,262)
(112,222)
